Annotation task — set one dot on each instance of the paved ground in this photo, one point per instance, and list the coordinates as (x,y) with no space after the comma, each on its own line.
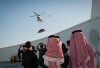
(11,65)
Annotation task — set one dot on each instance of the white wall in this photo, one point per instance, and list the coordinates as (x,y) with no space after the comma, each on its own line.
(6,53)
(99,30)
(95,9)
(87,26)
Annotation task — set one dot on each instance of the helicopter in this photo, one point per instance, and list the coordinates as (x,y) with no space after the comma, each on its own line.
(39,18)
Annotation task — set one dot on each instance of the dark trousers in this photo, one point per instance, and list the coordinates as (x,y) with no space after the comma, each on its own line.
(41,63)
(66,60)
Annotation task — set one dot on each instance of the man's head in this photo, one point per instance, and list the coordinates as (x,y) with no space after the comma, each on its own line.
(41,45)
(28,44)
(24,48)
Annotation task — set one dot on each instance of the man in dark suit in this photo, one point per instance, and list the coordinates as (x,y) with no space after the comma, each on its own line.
(66,56)
(42,49)
(29,57)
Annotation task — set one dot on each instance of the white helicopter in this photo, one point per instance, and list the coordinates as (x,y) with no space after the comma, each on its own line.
(39,18)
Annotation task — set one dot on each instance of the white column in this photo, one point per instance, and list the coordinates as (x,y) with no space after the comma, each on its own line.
(98,55)
(95,12)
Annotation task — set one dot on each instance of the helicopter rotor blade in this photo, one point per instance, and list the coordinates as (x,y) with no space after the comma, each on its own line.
(36,13)
(33,16)
(43,13)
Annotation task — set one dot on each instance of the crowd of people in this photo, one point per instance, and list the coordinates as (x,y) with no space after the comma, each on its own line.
(55,54)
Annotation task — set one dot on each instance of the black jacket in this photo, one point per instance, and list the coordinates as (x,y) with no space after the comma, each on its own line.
(30,59)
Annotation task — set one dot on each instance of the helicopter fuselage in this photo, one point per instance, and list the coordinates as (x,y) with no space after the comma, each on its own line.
(39,18)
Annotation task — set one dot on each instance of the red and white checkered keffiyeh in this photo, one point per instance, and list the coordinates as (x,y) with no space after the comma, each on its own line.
(82,54)
(53,58)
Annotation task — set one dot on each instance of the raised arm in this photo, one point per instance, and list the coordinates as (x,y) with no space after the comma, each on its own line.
(38,47)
